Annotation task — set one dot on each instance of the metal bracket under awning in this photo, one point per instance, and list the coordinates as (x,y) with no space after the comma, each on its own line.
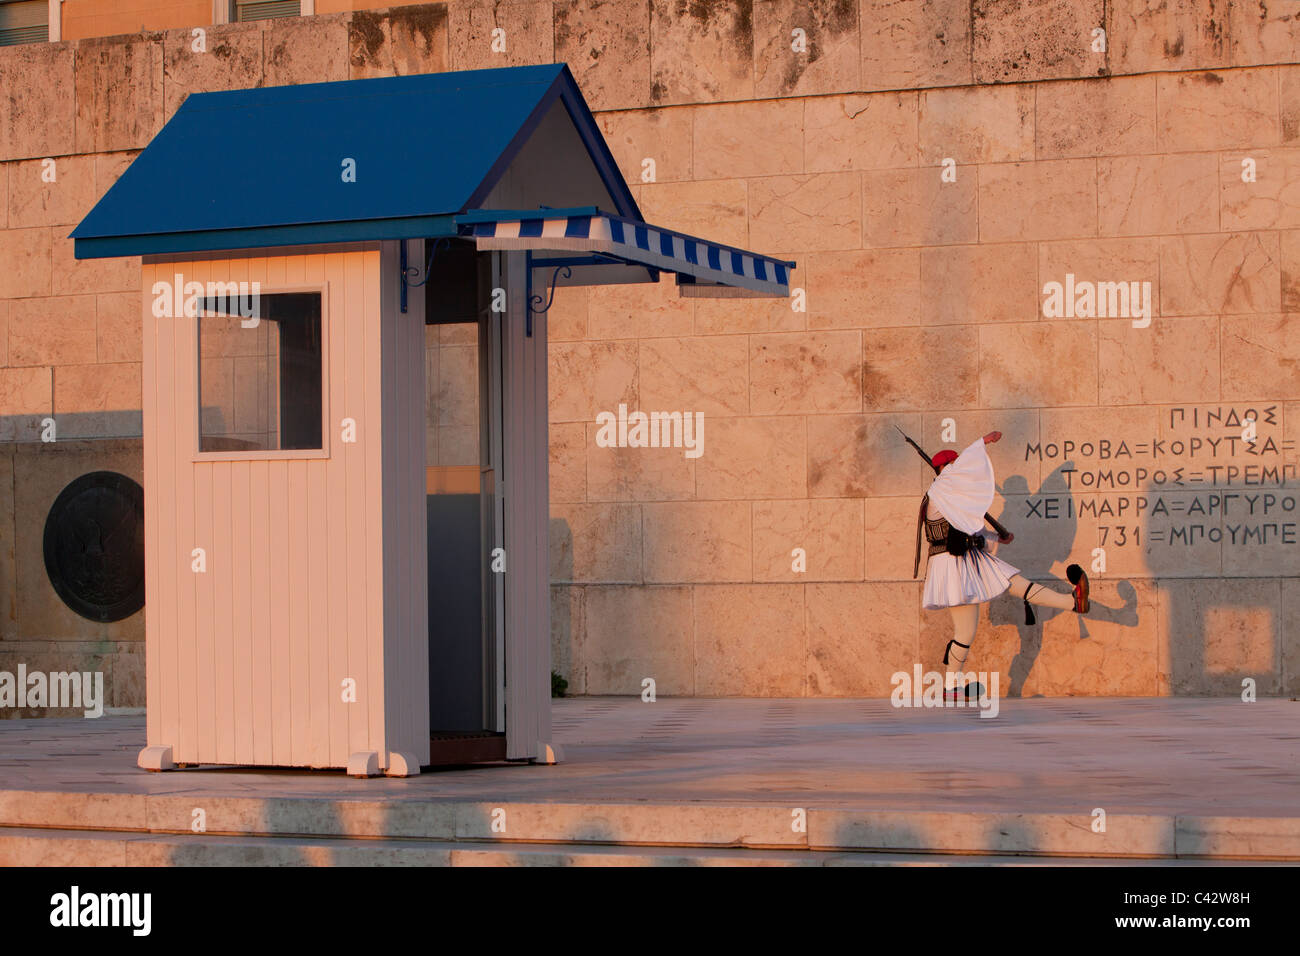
(613,243)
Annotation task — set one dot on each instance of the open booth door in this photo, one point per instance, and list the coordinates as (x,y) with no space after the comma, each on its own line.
(464,507)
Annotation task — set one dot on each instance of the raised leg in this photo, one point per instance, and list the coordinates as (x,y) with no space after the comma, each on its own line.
(1040,595)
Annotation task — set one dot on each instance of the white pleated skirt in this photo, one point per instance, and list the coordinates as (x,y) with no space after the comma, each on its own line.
(973,578)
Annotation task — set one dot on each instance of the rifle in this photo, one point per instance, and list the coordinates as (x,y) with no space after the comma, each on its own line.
(1002,532)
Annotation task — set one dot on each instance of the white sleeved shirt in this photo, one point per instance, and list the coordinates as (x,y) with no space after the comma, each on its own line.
(964,490)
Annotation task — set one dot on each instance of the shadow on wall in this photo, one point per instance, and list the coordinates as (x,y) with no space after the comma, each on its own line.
(1031,635)
(565,606)
(1221,560)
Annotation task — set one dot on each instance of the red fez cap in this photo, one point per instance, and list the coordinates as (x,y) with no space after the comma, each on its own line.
(947,456)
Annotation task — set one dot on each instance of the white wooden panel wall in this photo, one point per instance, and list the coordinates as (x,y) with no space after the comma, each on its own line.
(406,555)
(527,515)
(246,662)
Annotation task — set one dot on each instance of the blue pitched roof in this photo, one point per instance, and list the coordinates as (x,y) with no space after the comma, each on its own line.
(263,167)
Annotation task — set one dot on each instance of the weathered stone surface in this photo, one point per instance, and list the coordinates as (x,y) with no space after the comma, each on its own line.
(865,288)
(761,138)
(1271,200)
(701,52)
(749,640)
(528,37)
(70,275)
(642,310)
(805,372)
(718,209)
(306,50)
(906,44)
(406,40)
(966,285)
(913,207)
(1015,41)
(631,633)
(118,327)
(28,263)
(590,377)
(35,202)
(1261,356)
(567,319)
(1020,364)
(1154,195)
(1016,463)
(1074,437)
(39,114)
(890,521)
(607,46)
(1101,260)
(688,541)
(1173,360)
(828,532)
(751,458)
(990,124)
(1264,31)
(1290,270)
(826,57)
(1110,652)
(718,316)
(568,625)
(1291,636)
(1097,117)
(1289,96)
(638,474)
(663,136)
(231,60)
(24,392)
(596,543)
(859,635)
(1214,634)
(860,131)
(1144,36)
(91,389)
(813,212)
(1226,273)
(897,366)
(119,89)
(52,331)
(1217,110)
(858,456)
(568,462)
(1049,199)
(705,374)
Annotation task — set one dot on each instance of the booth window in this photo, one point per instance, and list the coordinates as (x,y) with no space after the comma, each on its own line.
(24,21)
(242,10)
(260,373)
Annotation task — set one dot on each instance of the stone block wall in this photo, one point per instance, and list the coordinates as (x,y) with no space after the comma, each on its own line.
(931,165)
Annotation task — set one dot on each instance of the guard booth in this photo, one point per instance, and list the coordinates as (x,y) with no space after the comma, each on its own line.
(345,292)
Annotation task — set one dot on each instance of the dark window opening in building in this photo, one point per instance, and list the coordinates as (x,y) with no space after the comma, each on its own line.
(260,384)
(24,21)
(242,10)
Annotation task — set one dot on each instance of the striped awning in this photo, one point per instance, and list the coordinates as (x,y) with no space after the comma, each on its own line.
(702,267)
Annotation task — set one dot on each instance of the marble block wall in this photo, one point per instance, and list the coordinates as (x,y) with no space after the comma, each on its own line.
(931,165)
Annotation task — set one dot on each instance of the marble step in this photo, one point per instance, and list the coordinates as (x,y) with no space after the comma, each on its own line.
(21,846)
(686,824)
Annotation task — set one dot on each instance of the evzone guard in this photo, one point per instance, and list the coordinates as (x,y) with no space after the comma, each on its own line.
(961,573)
